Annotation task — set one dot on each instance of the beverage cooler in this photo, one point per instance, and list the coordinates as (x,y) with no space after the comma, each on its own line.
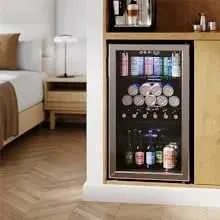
(149,111)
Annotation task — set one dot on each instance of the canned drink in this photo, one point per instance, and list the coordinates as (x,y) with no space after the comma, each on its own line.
(145,89)
(150,100)
(167,66)
(134,66)
(176,64)
(156,89)
(158,66)
(137,66)
(149,66)
(139,100)
(169,157)
(140,66)
(133,90)
(127,100)
(124,64)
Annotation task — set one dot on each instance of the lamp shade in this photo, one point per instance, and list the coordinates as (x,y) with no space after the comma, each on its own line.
(65,38)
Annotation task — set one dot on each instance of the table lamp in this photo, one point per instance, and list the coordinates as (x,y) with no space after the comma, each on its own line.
(65,39)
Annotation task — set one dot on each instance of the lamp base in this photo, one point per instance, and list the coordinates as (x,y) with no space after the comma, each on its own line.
(65,76)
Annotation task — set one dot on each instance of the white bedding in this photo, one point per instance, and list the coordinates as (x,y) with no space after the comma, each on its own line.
(28,86)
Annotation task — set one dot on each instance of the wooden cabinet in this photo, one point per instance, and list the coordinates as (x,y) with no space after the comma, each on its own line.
(207,112)
(65,96)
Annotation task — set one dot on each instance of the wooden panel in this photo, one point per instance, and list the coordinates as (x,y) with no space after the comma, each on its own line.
(163,36)
(30,118)
(63,96)
(207,112)
(77,79)
(179,15)
(73,107)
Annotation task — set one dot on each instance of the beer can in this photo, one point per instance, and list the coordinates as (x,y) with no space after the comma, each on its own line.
(158,66)
(169,157)
(149,66)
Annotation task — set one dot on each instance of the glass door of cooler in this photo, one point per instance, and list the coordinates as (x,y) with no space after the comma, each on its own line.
(149,112)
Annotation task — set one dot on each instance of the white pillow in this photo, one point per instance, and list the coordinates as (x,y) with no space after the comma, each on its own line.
(29,56)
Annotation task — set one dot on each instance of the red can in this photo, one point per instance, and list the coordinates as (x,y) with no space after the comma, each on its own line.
(169,157)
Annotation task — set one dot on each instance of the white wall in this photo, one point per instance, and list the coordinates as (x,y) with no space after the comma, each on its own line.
(95,83)
(71,19)
(33,19)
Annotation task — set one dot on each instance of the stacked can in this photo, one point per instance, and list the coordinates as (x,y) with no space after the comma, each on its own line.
(158,66)
(137,66)
(176,64)
(167,66)
(149,66)
(134,66)
(124,64)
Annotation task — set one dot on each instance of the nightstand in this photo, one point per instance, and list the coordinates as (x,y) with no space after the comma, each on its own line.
(64,96)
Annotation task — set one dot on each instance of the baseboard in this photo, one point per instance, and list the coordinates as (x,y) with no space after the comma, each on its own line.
(199,197)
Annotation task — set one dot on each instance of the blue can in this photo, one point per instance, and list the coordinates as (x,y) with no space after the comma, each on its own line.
(134,66)
(167,66)
(140,66)
(158,66)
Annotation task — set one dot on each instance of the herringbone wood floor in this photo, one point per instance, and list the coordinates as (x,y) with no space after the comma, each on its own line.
(41,178)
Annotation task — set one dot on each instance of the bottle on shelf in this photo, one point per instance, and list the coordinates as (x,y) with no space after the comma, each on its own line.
(135,115)
(150,151)
(203,21)
(159,152)
(165,115)
(177,152)
(132,13)
(145,115)
(129,154)
(139,152)
(119,7)
(119,11)
(155,115)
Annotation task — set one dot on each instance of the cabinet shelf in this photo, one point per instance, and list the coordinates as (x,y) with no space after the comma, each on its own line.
(147,78)
(162,36)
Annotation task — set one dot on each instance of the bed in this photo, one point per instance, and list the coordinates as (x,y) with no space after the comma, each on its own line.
(27,84)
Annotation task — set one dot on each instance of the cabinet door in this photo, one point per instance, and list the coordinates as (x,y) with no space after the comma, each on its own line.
(207,112)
